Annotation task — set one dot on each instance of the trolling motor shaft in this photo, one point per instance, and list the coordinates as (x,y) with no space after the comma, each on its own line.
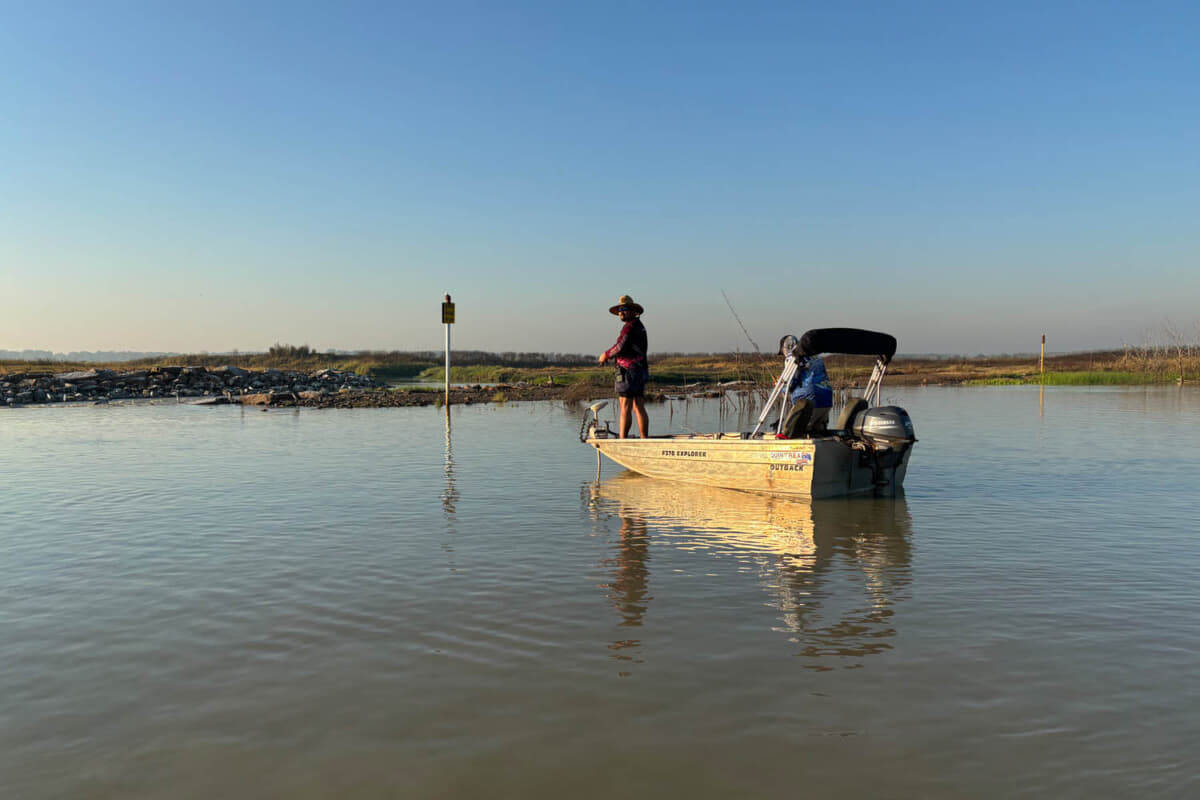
(591,423)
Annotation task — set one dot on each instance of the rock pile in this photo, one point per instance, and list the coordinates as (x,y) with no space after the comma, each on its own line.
(102,385)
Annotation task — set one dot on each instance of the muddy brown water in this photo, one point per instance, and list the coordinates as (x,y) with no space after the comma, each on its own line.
(225,602)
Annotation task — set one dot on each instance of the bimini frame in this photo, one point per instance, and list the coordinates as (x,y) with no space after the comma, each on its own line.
(853,341)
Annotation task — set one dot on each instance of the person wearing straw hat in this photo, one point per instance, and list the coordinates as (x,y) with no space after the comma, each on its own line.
(632,367)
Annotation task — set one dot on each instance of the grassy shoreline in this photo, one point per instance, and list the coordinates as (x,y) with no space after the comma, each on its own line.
(1128,367)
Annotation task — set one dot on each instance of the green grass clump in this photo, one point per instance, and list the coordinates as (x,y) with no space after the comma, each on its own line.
(1086,378)
(1096,378)
(471,374)
(996,382)
(586,377)
(390,371)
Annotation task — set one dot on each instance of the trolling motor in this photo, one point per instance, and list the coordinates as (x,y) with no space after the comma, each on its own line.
(591,429)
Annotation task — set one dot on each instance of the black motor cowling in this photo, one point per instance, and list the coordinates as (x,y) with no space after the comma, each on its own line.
(884,426)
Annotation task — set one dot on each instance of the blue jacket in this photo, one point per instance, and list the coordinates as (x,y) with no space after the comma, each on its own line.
(812,383)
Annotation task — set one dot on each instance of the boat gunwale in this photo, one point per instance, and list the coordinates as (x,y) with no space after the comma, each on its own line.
(723,438)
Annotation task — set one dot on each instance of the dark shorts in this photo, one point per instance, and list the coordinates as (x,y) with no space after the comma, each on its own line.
(631,382)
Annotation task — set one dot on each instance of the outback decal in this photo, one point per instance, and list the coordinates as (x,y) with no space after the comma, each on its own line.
(786,467)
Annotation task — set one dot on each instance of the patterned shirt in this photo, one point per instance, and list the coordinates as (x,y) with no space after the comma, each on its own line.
(630,349)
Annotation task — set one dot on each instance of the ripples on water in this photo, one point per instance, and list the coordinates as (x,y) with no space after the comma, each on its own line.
(204,602)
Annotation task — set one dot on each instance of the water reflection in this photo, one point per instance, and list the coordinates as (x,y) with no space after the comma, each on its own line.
(450,491)
(834,569)
(839,605)
(630,576)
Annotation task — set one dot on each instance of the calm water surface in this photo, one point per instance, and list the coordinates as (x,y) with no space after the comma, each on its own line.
(217,602)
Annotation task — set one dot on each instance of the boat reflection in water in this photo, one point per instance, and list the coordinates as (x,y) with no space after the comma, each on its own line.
(834,569)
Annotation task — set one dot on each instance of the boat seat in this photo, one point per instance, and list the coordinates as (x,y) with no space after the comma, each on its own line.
(795,424)
(854,406)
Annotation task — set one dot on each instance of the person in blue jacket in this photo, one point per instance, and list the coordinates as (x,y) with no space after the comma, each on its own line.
(809,388)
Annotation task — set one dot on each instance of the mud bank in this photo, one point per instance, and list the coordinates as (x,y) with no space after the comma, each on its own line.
(390,398)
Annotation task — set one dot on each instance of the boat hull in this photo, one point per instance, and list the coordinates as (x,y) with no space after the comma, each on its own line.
(831,466)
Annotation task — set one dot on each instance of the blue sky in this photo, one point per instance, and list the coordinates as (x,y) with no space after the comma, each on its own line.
(208,176)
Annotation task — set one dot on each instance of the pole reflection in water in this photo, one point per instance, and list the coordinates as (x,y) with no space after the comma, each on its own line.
(834,569)
(450,492)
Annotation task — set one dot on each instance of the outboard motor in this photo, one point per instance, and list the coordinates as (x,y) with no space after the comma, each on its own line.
(885,427)
(884,433)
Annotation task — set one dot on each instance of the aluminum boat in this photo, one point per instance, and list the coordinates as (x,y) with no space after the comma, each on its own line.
(865,452)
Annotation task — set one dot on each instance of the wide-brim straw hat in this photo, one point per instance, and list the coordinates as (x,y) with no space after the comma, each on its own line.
(627,302)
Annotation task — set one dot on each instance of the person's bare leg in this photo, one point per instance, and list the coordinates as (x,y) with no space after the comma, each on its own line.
(639,408)
(626,418)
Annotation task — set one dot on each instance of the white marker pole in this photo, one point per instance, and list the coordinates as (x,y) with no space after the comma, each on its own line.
(447,319)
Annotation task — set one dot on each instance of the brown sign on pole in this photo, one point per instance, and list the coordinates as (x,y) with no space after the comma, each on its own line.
(447,311)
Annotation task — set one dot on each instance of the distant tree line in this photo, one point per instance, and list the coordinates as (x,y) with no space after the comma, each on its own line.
(508,358)
(77,355)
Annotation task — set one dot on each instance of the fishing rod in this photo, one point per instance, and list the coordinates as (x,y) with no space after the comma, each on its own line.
(739,322)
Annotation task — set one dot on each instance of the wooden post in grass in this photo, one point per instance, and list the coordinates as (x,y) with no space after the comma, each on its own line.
(1042,360)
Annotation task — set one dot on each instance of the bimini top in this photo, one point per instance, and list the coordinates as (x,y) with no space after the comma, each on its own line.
(848,340)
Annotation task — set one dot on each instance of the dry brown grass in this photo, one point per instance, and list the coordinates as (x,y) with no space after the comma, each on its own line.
(1157,363)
